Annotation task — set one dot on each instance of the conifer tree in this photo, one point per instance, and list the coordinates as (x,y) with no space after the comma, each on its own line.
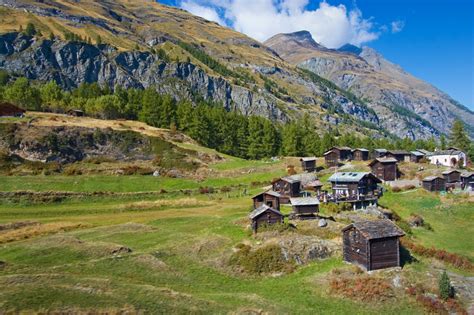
(446,291)
(458,137)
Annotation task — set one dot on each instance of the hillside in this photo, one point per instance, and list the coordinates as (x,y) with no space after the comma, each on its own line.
(142,43)
(389,90)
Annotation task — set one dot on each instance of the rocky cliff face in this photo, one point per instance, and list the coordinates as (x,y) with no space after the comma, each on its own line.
(399,99)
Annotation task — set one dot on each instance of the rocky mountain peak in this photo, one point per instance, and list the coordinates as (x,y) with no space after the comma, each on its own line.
(301,38)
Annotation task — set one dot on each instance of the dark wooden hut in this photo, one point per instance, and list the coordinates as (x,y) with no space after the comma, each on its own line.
(10,110)
(354,185)
(360,154)
(434,183)
(467,180)
(379,153)
(308,164)
(337,154)
(264,215)
(372,244)
(75,112)
(287,187)
(385,168)
(400,155)
(314,185)
(269,198)
(452,176)
(416,156)
(304,207)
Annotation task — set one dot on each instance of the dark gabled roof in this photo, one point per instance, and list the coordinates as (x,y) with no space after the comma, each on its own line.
(398,152)
(350,177)
(431,178)
(450,172)
(262,209)
(308,159)
(337,148)
(383,160)
(425,152)
(8,109)
(376,229)
(267,192)
(360,149)
(381,150)
(467,174)
(417,153)
(314,183)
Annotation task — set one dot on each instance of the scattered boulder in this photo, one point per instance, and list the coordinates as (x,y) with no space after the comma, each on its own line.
(304,249)
(121,250)
(322,223)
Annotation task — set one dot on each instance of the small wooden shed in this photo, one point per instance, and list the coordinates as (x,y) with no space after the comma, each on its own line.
(304,207)
(467,180)
(372,244)
(360,154)
(270,198)
(379,153)
(416,156)
(314,185)
(287,187)
(336,155)
(264,215)
(400,155)
(10,110)
(385,169)
(308,164)
(452,176)
(75,112)
(434,183)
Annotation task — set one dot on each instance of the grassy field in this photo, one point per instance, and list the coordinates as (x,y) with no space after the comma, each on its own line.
(166,253)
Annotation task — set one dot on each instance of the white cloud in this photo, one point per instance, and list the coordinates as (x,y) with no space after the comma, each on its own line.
(397,26)
(206,12)
(332,26)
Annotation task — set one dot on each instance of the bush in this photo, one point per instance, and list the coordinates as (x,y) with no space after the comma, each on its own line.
(444,286)
(396,189)
(363,288)
(265,259)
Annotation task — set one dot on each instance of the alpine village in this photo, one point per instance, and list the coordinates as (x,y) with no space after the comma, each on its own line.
(155,162)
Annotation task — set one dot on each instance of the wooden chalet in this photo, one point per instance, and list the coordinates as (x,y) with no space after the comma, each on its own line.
(305,207)
(314,185)
(400,155)
(287,187)
(10,110)
(467,181)
(264,215)
(269,198)
(385,169)
(452,176)
(354,185)
(360,154)
(434,183)
(336,155)
(379,153)
(416,156)
(372,244)
(308,164)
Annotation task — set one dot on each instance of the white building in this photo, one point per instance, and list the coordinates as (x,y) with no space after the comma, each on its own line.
(451,157)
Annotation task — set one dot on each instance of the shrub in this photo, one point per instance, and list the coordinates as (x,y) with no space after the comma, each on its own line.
(265,259)
(362,288)
(396,189)
(444,286)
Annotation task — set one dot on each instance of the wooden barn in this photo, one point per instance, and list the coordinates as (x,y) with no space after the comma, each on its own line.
(305,207)
(467,181)
(264,215)
(337,154)
(385,169)
(434,183)
(360,154)
(75,112)
(400,155)
(287,187)
(416,156)
(452,176)
(379,153)
(354,185)
(308,164)
(314,185)
(10,110)
(269,198)
(372,244)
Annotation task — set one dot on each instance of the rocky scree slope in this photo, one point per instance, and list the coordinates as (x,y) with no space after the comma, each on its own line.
(400,100)
(250,77)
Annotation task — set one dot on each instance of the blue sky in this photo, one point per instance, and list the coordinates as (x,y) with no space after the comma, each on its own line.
(432,39)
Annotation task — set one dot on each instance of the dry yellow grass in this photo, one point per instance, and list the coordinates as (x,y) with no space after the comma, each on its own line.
(38,229)
(184,202)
